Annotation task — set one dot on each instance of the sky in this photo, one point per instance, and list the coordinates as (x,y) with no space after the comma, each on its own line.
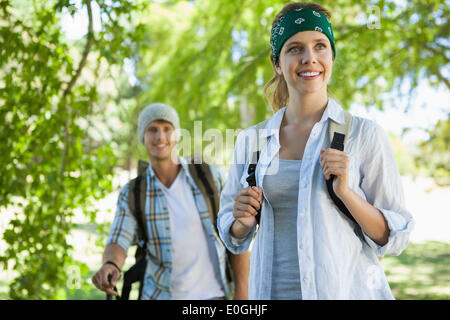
(428,104)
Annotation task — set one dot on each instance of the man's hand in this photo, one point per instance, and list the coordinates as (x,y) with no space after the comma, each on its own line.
(100,279)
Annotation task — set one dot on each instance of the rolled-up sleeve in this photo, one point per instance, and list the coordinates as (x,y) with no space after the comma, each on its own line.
(124,227)
(383,188)
(230,191)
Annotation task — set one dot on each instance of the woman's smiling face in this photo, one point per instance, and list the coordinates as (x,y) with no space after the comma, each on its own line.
(306,62)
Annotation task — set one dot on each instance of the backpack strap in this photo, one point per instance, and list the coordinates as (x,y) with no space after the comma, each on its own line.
(256,148)
(338,135)
(341,129)
(203,178)
(136,203)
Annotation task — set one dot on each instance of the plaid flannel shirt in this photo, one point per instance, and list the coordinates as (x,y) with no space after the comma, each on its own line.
(124,232)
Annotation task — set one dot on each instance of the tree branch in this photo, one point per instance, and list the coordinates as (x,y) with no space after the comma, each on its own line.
(87,49)
(67,91)
(442,78)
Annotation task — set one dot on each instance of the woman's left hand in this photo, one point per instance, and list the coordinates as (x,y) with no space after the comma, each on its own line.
(336,162)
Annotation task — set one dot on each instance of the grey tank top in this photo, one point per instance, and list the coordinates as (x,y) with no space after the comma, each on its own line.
(281,190)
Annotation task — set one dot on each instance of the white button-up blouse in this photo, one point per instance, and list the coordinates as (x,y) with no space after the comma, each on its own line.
(337,260)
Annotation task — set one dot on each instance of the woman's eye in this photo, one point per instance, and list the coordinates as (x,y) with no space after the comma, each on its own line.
(322,46)
(294,49)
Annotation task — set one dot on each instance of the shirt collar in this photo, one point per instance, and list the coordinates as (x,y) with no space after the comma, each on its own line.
(333,111)
(184,166)
(273,124)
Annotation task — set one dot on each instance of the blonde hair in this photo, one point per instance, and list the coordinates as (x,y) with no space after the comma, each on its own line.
(276,90)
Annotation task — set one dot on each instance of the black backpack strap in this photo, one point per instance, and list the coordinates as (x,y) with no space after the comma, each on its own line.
(136,203)
(138,187)
(251,178)
(256,146)
(135,274)
(338,134)
(338,144)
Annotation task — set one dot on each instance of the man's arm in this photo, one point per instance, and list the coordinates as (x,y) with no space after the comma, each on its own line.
(240,264)
(115,253)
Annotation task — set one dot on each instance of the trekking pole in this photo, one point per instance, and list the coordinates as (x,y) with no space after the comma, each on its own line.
(108,296)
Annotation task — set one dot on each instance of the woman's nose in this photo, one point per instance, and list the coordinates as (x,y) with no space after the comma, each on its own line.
(308,56)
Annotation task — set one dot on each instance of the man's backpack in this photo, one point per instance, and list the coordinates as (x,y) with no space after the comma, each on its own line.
(338,135)
(202,175)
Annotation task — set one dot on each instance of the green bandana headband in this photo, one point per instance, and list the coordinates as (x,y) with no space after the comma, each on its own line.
(303,19)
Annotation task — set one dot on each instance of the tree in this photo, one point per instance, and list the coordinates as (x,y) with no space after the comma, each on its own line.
(50,165)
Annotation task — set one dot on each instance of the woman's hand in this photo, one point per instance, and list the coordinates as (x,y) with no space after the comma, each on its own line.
(246,204)
(336,162)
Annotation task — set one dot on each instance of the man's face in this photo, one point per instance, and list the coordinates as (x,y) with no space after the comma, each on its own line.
(159,140)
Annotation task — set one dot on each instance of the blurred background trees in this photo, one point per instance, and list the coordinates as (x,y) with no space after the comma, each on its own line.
(68,107)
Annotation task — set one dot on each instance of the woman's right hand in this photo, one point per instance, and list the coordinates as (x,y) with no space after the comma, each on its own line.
(246,204)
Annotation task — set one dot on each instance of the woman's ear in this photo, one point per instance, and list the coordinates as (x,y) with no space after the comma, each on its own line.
(278,69)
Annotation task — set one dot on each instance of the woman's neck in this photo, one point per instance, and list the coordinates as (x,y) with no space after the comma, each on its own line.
(306,109)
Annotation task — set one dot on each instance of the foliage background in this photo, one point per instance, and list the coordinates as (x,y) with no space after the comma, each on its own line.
(68,108)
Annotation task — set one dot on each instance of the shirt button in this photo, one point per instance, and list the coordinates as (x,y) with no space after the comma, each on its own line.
(304,185)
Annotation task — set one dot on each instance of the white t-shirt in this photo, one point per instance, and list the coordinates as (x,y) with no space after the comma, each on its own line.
(193,259)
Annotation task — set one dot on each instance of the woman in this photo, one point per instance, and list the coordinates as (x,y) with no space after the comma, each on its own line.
(304,247)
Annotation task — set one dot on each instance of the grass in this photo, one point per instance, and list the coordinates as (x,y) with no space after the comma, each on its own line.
(422,272)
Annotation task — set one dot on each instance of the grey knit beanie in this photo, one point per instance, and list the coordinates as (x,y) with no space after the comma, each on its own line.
(156,111)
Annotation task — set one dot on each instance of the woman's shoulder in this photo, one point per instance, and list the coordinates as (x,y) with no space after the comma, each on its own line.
(365,127)
(367,134)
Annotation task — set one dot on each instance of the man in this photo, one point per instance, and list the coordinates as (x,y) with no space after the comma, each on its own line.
(192,259)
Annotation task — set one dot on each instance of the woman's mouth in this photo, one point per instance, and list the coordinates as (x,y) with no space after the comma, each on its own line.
(309,75)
